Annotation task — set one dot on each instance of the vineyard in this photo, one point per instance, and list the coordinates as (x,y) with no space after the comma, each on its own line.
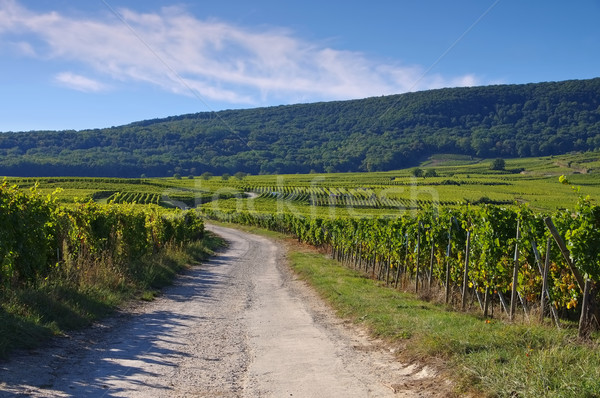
(38,236)
(503,246)
(487,256)
(374,197)
(144,198)
(465,230)
(456,181)
(321,196)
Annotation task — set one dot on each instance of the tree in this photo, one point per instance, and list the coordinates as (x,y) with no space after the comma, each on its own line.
(493,121)
(225,176)
(207,175)
(417,172)
(498,164)
(430,173)
(240,175)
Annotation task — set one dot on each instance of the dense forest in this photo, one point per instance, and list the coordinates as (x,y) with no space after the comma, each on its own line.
(379,133)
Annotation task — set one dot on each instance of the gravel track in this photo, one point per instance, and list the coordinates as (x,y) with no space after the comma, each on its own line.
(240,325)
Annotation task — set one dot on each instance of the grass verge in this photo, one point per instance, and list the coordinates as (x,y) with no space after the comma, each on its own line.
(489,358)
(30,315)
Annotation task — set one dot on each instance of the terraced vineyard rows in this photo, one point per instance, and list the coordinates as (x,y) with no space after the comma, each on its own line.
(461,181)
(357,197)
(143,198)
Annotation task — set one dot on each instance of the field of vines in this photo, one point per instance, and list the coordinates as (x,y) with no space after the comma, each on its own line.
(456,181)
(143,198)
(39,236)
(477,254)
(375,197)
(458,229)
(509,245)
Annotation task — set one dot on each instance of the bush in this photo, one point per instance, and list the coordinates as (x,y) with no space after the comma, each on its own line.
(417,172)
(498,164)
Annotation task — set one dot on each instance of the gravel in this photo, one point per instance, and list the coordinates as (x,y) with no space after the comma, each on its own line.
(239,325)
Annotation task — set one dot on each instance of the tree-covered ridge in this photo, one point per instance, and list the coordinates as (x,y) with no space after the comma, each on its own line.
(379,133)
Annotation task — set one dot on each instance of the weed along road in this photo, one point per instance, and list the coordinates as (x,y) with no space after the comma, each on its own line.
(240,325)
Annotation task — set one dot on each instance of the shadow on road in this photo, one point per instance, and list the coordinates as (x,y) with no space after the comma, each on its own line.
(124,353)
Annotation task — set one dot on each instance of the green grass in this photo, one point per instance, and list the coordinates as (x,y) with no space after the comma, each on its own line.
(30,315)
(491,358)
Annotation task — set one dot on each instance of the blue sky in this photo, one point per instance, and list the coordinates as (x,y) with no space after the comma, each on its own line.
(97,63)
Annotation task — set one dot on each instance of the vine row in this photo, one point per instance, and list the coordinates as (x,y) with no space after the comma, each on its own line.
(505,246)
(37,235)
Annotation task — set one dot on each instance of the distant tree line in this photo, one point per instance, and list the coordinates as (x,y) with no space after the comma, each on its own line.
(379,133)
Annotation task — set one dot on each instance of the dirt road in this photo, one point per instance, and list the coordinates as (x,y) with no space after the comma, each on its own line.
(238,326)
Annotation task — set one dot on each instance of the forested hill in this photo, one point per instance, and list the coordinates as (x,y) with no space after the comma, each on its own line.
(379,133)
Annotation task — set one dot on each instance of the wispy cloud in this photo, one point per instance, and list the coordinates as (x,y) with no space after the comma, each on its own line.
(220,61)
(79,83)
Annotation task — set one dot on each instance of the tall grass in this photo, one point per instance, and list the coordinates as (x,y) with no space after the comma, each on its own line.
(76,294)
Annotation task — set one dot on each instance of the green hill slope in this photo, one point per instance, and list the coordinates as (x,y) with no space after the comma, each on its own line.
(380,133)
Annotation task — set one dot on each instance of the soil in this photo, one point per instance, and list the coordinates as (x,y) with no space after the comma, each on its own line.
(240,325)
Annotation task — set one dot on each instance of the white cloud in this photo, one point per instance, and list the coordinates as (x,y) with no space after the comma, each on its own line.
(219,61)
(23,48)
(79,83)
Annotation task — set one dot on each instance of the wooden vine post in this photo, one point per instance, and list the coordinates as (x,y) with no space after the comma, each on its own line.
(588,305)
(584,330)
(418,255)
(466,271)
(545,280)
(513,297)
(404,282)
(486,301)
(545,291)
(565,252)
(431,260)
(543,268)
(389,264)
(448,264)
(405,254)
